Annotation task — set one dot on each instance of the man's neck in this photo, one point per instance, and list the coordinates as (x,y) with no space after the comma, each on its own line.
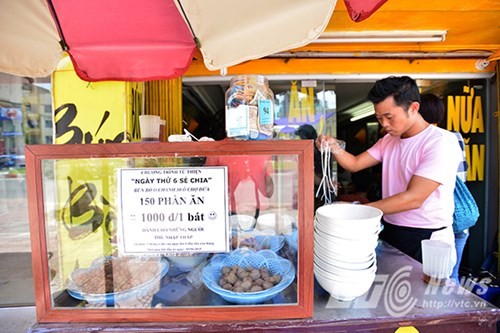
(419,126)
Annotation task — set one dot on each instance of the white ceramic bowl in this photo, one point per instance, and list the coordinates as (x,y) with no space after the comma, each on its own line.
(345,239)
(343,290)
(279,223)
(349,211)
(359,216)
(338,245)
(341,244)
(186,263)
(346,229)
(348,277)
(344,256)
(344,259)
(346,225)
(325,261)
(331,267)
(241,222)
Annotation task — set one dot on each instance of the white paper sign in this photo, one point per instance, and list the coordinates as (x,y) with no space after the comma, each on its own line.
(237,121)
(173,210)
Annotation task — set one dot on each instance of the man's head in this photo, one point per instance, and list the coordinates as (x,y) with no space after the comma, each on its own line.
(306,131)
(403,89)
(396,101)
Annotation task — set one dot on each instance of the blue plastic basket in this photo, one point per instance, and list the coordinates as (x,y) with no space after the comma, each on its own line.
(245,257)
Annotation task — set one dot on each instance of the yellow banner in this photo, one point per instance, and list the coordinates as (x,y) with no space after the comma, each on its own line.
(87,113)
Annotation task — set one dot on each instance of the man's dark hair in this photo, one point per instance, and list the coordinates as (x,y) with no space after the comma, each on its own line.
(403,89)
(431,108)
(306,131)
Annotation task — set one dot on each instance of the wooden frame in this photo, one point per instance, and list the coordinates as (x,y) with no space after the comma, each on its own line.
(36,154)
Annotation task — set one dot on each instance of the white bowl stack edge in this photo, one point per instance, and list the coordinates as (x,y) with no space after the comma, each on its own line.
(345,239)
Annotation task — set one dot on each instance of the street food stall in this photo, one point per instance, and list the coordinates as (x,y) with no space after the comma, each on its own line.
(140,235)
(130,235)
(149,228)
(166,213)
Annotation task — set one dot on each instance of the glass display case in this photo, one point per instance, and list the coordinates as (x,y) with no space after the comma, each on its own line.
(162,232)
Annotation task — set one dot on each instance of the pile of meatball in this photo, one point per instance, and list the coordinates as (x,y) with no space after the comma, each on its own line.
(247,279)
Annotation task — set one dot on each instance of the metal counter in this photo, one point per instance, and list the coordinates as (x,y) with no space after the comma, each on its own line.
(398,297)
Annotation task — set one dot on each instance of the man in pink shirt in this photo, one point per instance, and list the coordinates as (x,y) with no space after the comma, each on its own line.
(419,164)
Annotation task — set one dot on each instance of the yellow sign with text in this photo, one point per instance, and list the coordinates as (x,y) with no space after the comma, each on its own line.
(465,115)
(302,110)
(88,113)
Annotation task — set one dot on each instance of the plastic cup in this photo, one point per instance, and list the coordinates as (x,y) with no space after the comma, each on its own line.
(150,127)
(436,261)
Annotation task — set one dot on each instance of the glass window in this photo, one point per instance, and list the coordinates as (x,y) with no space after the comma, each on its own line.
(23,105)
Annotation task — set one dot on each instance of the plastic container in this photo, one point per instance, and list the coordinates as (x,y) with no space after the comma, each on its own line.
(437,263)
(244,258)
(147,273)
(249,108)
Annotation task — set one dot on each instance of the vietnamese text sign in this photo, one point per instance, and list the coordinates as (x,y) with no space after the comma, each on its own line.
(173,210)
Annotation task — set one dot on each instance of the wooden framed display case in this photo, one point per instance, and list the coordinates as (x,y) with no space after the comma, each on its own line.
(141,232)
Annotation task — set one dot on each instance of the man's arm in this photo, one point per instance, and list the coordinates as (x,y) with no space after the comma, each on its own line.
(419,189)
(346,160)
(355,163)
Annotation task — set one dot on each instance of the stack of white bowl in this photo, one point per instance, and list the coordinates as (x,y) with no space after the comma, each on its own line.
(345,239)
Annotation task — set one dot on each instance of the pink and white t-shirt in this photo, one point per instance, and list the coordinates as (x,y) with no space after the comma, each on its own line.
(433,154)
